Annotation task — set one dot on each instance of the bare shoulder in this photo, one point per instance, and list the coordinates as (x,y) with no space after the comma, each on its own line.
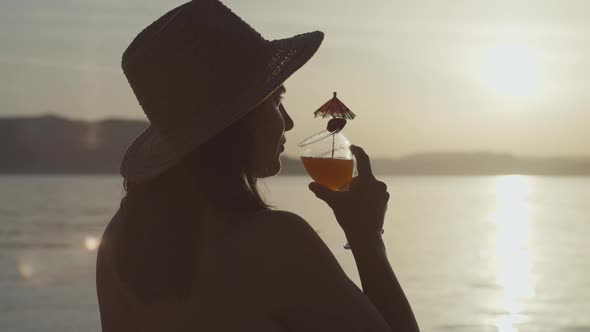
(279,220)
(279,216)
(279,245)
(278,241)
(285,232)
(295,272)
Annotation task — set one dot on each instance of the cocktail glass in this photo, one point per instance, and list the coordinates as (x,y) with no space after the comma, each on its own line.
(327,159)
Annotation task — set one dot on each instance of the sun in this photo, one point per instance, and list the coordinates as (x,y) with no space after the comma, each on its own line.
(511,71)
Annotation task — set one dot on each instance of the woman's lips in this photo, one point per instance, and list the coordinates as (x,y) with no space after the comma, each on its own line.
(283,145)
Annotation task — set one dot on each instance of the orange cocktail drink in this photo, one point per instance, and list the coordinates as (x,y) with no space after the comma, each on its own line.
(331,172)
(327,158)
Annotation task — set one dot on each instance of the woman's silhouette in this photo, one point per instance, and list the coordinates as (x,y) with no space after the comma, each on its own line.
(193,246)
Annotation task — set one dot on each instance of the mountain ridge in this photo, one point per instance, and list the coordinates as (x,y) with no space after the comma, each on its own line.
(52,144)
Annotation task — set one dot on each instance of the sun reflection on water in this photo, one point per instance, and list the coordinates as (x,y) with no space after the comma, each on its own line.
(512,253)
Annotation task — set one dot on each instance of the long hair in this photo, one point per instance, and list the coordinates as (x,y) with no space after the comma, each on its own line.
(157,249)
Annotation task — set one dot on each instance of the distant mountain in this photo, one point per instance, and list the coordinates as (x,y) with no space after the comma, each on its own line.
(481,163)
(54,145)
(51,144)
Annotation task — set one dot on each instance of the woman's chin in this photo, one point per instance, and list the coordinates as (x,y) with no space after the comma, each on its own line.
(276,168)
(273,169)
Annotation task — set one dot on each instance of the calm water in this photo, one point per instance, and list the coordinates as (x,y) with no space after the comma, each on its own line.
(502,254)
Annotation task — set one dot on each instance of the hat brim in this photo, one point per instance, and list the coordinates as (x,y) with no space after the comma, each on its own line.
(151,154)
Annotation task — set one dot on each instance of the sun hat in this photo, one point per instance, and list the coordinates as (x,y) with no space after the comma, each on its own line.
(195,71)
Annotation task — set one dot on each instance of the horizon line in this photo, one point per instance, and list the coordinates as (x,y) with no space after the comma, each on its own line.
(415,154)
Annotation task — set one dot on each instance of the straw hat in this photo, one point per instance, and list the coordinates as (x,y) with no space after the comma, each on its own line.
(195,71)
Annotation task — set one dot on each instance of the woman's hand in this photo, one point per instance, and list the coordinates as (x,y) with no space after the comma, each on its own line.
(360,211)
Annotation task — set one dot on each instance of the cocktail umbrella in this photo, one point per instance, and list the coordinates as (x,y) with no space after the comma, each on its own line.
(334,108)
(339,113)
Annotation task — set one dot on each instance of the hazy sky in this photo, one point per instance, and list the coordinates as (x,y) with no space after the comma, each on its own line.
(504,76)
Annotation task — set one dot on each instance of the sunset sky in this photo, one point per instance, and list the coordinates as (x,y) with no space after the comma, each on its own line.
(422,76)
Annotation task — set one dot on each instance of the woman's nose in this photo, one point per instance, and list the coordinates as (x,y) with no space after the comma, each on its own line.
(288,121)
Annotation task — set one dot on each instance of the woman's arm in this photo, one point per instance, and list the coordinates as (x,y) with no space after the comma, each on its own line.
(360,211)
(381,285)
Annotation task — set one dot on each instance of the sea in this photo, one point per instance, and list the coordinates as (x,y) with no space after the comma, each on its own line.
(491,253)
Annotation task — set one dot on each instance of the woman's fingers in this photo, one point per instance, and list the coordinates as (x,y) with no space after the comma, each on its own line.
(325,194)
(363,163)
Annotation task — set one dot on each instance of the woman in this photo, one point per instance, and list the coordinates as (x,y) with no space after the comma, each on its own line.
(193,246)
